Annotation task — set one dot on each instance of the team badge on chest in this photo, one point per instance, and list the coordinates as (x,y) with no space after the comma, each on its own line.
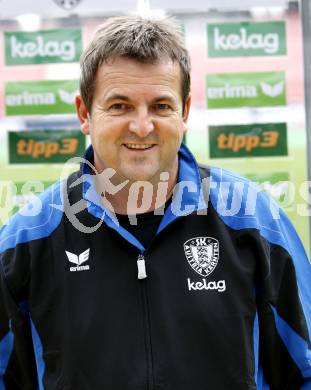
(202,254)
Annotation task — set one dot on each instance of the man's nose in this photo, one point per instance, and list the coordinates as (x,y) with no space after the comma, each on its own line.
(141,124)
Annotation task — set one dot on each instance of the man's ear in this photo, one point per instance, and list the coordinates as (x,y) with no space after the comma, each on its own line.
(186,112)
(83,115)
(187,108)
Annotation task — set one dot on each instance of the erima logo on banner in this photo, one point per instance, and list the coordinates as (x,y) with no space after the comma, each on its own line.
(66,50)
(245,91)
(269,42)
(39,98)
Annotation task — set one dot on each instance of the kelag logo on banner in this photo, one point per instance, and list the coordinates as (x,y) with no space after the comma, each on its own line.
(42,47)
(231,90)
(40,97)
(255,140)
(246,39)
(45,146)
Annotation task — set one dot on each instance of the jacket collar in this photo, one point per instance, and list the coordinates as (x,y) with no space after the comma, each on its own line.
(187,195)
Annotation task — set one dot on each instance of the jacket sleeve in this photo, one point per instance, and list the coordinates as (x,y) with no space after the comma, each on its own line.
(282,278)
(284,312)
(17,361)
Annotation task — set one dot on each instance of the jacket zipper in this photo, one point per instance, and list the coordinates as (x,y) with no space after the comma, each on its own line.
(141,267)
(146,321)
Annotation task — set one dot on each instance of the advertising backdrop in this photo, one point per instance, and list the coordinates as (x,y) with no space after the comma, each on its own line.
(250,117)
(248,112)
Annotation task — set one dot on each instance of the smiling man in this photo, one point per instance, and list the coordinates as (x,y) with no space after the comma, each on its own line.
(137,121)
(171,275)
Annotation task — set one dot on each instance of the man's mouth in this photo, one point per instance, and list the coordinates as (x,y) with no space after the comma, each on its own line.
(138,146)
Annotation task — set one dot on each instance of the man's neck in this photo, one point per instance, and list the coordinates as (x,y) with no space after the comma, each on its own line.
(137,197)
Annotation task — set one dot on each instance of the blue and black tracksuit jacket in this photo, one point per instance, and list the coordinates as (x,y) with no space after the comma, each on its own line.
(225,304)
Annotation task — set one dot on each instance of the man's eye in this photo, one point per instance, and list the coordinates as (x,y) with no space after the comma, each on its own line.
(163,107)
(118,107)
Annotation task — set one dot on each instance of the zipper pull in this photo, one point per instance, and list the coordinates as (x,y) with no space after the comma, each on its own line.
(141,266)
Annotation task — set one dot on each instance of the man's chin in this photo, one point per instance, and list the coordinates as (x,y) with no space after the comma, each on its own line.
(138,174)
(139,178)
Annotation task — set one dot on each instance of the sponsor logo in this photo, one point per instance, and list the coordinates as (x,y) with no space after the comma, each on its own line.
(46,46)
(268,42)
(36,99)
(44,146)
(268,139)
(78,260)
(67,97)
(64,50)
(230,90)
(246,39)
(202,254)
(30,99)
(40,97)
(247,141)
(220,285)
(272,90)
(245,91)
(46,149)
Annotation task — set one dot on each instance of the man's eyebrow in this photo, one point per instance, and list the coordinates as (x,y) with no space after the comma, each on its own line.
(116,96)
(165,98)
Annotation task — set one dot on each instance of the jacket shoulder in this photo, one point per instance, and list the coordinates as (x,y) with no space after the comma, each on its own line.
(242,204)
(37,219)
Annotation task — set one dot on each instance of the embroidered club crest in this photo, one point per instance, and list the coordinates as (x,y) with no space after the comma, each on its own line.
(67,4)
(202,254)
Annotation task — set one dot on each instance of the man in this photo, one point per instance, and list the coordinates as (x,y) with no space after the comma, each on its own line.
(136,274)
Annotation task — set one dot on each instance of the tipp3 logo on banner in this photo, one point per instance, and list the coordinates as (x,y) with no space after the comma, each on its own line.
(45,146)
(256,140)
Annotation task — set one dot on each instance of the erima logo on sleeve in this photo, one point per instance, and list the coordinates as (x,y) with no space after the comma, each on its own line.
(78,260)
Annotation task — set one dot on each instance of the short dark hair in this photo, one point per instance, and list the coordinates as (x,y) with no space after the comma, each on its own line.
(143,39)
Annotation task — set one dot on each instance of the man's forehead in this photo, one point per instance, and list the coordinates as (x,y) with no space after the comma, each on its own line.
(123,72)
(165,69)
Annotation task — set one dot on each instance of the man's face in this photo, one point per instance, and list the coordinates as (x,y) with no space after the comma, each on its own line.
(136,123)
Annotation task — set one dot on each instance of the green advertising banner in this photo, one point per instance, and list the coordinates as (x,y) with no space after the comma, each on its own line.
(246,39)
(255,140)
(40,97)
(275,183)
(45,146)
(23,192)
(232,90)
(42,47)
(14,195)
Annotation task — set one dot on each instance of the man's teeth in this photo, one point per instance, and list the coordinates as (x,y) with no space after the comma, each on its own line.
(138,146)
